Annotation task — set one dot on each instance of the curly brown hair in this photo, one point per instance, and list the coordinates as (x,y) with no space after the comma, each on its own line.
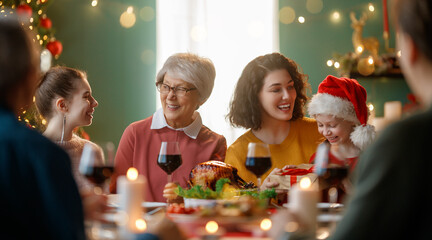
(245,107)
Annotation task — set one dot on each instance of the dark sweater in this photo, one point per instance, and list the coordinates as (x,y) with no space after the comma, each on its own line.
(39,198)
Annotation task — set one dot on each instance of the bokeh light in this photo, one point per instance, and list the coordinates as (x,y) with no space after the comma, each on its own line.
(314,6)
(286,15)
(128,18)
(301,19)
(147,14)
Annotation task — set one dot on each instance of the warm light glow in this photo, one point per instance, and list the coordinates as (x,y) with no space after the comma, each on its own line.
(371,107)
(31,19)
(94,3)
(44,122)
(371,7)
(291,226)
(399,53)
(128,19)
(132,174)
(211,227)
(28,1)
(38,37)
(34,99)
(141,225)
(322,233)
(45,37)
(147,14)
(31,27)
(370,60)
(40,12)
(336,65)
(41,42)
(314,6)
(286,15)
(266,224)
(335,16)
(359,49)
(301,19)
(305,183)
(330,63)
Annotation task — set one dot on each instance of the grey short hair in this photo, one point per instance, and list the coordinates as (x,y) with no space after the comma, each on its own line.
(193,69)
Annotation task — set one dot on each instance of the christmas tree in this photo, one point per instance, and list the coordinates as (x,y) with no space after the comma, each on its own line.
(33,13)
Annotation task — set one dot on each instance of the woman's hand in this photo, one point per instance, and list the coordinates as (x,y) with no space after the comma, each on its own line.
(169,193)
(94,205)
(267,184)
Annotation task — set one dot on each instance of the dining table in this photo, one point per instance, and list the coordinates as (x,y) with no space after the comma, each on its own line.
(230,228)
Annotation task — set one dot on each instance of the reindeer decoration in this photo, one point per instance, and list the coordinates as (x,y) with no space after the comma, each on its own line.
(360,44)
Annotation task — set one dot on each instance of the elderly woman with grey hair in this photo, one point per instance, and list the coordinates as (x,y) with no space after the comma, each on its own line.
(185,82)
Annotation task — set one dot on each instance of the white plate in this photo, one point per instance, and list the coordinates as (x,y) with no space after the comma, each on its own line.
(113,201)
(324,205)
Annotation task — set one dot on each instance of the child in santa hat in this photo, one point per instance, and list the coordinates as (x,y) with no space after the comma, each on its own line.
(341,113)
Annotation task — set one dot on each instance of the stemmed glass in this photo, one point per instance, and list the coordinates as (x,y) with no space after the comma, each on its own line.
(258,160)
(97,164)
(169,158)
(331,175)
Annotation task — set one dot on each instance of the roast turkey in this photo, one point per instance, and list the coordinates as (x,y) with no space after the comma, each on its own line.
(207,173)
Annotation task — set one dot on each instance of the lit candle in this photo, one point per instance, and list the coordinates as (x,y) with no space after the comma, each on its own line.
(303,200)
(211,231)
(131,195)
(392,110)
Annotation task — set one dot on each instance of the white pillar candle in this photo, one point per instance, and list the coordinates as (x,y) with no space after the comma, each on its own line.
(303,202)
(393,110)
(131,195)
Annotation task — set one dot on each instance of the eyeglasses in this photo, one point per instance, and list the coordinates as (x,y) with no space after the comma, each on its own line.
(178,91)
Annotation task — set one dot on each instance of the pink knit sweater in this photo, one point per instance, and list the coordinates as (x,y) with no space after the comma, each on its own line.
(74,148)
(139,148)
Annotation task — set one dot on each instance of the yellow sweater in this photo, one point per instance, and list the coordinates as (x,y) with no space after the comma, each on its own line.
(297,148)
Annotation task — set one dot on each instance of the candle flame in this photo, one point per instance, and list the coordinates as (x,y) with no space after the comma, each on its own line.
(359,49)
(266,224)
(132,174)
(305,183)
(370,60)
(211,227)
(141,224)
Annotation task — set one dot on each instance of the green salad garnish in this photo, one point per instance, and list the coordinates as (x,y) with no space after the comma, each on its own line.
(198,191)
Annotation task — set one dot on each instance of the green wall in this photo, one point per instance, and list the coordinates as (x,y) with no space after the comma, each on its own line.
(314,42)
(121,76)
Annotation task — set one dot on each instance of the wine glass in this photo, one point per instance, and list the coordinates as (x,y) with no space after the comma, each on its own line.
(169,158)
(97,164)
(331,175)
(258,159)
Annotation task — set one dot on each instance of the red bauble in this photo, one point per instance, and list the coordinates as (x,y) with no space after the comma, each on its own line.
(25,10)
(45,22)
(55,47)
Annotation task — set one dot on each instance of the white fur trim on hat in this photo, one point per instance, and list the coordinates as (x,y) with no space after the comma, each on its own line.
(323,103)
(363,135)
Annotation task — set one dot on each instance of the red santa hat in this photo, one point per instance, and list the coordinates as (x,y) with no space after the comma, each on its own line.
(344,98)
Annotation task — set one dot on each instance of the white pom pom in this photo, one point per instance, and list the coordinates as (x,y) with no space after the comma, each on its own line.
(363,135)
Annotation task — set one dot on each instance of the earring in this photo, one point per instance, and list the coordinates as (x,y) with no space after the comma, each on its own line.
(63,129)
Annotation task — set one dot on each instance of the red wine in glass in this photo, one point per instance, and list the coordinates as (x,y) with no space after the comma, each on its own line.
(333,179)
(169,158)
(258,165)
(99,174)
(258,160)
(169,163)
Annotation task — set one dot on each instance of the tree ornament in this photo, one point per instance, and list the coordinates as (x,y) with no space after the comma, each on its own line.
(45,62)
(364,67)
(55,47)
(45,22)
(25,10)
